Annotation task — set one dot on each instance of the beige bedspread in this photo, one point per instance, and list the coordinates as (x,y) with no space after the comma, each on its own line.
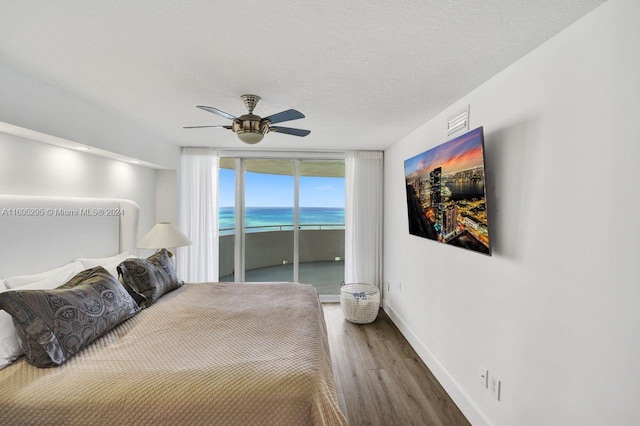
(215,353)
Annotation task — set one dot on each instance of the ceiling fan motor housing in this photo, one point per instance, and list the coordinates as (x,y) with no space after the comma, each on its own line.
(250,128)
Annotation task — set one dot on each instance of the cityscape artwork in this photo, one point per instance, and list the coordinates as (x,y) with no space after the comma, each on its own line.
(446,198)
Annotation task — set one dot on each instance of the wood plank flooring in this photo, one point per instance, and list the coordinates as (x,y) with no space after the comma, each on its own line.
(380,380)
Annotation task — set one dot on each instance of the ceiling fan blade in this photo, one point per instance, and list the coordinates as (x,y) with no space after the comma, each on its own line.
(289,131)
(288,115)
(200,127)
(217,111)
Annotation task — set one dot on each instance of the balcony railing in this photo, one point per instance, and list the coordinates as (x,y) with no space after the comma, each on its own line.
(267,247)
(268,228)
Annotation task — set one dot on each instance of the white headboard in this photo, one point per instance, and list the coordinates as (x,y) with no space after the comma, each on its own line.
(40,233)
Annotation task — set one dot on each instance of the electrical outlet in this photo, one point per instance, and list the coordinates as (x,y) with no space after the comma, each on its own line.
(483,374)
(494,386)
(399,285)
(388,286)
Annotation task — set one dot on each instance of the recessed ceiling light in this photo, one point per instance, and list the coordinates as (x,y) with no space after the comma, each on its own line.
(134,162)
(82,148)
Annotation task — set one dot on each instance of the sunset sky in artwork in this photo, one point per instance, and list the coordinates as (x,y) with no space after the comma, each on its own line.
(461,153)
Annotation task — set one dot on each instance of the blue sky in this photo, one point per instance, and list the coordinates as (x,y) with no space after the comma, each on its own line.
(263,190)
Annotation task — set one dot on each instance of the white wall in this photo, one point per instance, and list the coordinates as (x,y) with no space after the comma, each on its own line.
(33,168)
(555,312)
(167,196)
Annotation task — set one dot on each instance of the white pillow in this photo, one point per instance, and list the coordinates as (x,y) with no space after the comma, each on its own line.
(10,348)
(46,280)
(92,263)
(108,263)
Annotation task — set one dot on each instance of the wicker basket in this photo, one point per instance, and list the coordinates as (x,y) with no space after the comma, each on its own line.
(360,302)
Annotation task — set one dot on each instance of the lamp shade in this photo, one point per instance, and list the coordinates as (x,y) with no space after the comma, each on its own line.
(163,235)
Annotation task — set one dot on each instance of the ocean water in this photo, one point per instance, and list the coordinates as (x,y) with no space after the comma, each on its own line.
(259,219)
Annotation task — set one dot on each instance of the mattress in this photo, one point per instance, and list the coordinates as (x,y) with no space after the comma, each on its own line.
(209,353)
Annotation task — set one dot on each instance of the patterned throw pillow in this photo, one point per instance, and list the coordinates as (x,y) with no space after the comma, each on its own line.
(147,280)
(82,276)
(53,325)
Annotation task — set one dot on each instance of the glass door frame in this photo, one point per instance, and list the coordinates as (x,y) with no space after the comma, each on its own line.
(239,232)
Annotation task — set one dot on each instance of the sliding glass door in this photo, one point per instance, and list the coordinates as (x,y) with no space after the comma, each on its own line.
(288,221)
(227,218)
(321,237)
(269,220)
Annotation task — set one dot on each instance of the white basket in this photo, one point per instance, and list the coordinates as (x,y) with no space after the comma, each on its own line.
(360,302)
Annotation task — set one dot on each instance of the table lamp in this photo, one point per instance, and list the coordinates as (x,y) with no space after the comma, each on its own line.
(163,235)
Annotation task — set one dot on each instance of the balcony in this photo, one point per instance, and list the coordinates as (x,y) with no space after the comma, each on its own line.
(269,255)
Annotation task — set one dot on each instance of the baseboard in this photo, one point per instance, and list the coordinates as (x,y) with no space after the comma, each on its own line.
(329,298)
(455,391)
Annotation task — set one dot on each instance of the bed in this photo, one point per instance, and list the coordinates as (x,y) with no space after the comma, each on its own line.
(204,353)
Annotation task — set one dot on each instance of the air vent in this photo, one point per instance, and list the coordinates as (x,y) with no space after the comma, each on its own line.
(458,121)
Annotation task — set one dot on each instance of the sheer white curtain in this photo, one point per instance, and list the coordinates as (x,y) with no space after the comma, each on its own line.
(198,214)
(363,218)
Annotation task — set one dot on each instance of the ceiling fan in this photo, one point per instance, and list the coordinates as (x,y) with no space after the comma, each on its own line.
(251,128)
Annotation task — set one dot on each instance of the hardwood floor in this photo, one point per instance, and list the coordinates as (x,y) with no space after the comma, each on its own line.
(380,379)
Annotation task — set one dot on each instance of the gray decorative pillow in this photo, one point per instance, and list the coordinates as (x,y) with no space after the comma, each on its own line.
(81,276)
(53,325)
(147,280)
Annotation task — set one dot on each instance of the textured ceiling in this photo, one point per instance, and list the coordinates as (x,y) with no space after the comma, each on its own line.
(364,73)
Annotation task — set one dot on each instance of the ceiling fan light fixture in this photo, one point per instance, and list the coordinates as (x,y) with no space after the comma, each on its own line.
(250,138)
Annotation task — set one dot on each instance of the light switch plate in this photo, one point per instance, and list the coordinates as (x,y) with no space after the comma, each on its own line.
(494,387)
(483,376)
